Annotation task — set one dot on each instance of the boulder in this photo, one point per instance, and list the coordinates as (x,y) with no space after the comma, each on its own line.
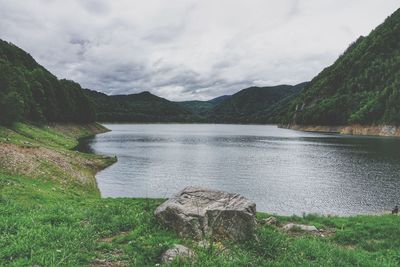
(302,227)
(199,213)
(178,251)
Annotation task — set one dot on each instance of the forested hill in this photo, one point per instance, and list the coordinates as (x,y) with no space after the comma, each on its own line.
(252,105)
(142,107)
(256,105)
(202,109)
(361,87)
(29,92)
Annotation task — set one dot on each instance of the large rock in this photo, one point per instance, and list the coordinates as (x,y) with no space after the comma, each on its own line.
(203,213)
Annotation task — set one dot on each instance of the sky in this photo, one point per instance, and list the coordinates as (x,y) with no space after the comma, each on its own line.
(187,49)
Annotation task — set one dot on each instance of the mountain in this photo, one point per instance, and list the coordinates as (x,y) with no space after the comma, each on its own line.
(202,108)
(142,107)
(219,99)
(29,92)
(251,105)
(255,104)
(361,87)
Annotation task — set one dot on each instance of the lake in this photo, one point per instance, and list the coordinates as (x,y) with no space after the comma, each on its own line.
(283,171)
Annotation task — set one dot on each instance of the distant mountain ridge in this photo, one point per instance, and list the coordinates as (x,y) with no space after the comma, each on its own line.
(141,107)
(256,105)
(28,92)
(202,109)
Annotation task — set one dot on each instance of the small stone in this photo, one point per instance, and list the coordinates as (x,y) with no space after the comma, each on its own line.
(302,227)
(204,244)
(178,251)
(270,221)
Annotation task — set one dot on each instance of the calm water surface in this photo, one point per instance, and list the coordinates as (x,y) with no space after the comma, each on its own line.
(283,171)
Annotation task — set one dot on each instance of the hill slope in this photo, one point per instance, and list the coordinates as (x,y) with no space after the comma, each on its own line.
(203,108)
(361,87)
(29,92)
(255,104)
(142,107)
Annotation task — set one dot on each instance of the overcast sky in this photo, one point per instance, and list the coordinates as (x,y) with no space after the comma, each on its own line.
(187,49)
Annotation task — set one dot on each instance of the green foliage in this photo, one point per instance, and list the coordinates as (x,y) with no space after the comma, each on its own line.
(255,105)
(252,105)
(203,109)
(362,86)
(29,92)
(44,225)
(11,108)
(142,107)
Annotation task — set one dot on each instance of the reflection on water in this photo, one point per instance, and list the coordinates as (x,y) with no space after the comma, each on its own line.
(283,171)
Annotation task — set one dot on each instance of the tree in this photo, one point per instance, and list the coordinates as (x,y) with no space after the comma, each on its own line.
(11,108)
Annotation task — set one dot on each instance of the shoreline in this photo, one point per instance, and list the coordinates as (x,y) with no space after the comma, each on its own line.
(356,129)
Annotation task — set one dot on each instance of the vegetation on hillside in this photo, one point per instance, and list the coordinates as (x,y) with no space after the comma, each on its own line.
(142,107)
(255,104)
(362,86)
(202,109)
(29,92)
(50,217)
(252,105)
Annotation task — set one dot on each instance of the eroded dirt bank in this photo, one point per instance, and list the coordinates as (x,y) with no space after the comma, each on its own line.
(372,130)
(46,151)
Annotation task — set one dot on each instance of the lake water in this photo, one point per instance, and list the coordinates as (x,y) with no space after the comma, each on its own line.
(283,171)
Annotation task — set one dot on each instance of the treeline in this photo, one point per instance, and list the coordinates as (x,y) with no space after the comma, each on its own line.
(141,107)
(361,87)
(29,92)
(252,105)
(255,105)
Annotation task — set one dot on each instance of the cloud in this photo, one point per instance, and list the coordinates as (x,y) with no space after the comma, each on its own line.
(187,49)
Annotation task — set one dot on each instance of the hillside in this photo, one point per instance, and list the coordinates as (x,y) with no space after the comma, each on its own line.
(29,92)
(361,87)
(142,107)
(251,105)
(203,108)
(255,104)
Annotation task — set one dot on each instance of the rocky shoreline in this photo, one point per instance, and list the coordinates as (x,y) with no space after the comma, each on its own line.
(365,130)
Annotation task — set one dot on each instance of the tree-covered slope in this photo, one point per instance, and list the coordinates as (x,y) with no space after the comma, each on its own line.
(203,108)
(142,107)
(29,92)
(361,87)
(255,104)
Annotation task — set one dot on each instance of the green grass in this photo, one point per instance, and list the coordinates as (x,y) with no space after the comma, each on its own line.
(45,222)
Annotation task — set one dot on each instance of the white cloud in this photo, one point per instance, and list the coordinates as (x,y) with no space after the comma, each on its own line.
(187,49)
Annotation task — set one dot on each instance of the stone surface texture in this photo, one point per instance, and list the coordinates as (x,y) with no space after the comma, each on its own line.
(200,213)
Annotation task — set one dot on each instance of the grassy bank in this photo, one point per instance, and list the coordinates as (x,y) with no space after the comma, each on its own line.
(51,215)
